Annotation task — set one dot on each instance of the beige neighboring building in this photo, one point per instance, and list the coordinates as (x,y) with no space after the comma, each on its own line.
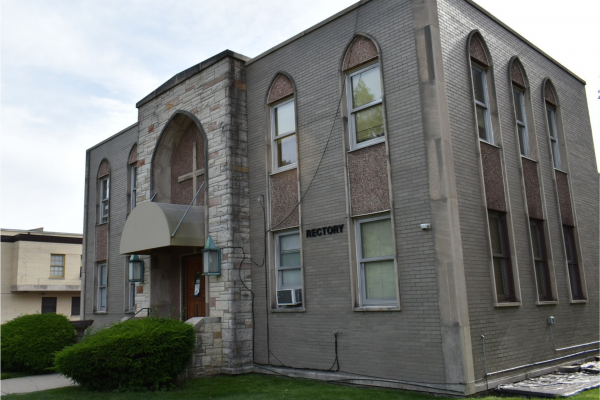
(41,273)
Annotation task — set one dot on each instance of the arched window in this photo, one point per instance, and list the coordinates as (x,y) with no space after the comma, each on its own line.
(479,69)
(521,103)
(284,144)
(364,93)
(103,192)
(551,106)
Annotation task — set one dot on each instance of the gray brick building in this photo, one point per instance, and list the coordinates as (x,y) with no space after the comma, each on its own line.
(402,195)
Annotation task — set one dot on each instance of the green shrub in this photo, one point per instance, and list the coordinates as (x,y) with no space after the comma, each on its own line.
(29,342)
(140,354)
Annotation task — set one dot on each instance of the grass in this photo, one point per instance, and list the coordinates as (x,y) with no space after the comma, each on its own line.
(10,375)
(254,386)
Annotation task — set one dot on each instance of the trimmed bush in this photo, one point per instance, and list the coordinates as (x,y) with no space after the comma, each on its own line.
(140,354)
(29,342)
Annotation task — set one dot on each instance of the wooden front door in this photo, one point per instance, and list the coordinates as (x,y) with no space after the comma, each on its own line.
(195,294)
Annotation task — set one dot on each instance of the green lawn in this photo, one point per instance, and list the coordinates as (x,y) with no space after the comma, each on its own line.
(253,386)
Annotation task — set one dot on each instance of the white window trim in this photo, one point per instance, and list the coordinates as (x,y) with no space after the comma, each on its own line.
(522,124)
(103,215)
(351,124)
(100,286)
(275,137)
(486,105)
(553,133)
(278,256)
(57,265)
(363,301)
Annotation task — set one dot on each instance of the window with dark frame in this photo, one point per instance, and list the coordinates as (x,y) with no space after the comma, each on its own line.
(288,260)
(133,185)
(48,305)
(503,275)
(542,270)
(75,305)
(573,265)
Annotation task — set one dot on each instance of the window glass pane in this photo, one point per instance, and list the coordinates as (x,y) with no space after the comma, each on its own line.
(133,177)
(524,140)
(57,259)
(495,234)
(105,188)
(380,280)
(551,121)
(75,305)
(369,123)
(479,85)
(286,151)
(501,279)
(519,106)
(366,87)
(481,123)
(289,250)
(543,280)
(285,119)
(535,240)
(102,274)
(102,299)
(56,271)
(290,277)
(555,154)
(376,238)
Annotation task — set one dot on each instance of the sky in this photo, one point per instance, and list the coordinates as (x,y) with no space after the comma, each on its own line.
(71,72)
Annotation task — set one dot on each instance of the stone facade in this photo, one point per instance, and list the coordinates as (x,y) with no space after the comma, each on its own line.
(428,169)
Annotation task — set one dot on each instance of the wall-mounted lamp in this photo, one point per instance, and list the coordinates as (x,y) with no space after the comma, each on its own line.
(136,269)
(212,258)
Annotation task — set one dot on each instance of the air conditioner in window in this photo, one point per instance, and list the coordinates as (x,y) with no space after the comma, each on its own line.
(289,297)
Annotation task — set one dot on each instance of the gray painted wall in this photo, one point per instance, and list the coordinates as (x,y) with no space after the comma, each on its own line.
(116,151)
(398,344)
(519,335)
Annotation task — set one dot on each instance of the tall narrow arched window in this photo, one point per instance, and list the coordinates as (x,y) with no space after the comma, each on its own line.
(557,142)
(284,145)
(364,93)
(519,88)
(504,272)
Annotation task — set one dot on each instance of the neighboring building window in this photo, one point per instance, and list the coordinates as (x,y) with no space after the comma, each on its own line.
(102,286)
(284,135)
(542,271)
(131,300)
(104,199)
(365,106)
(57,266)
(376,264)
(75,305)
(482,104)
(48,305)
(288,260)
(519,96)
(574,272)
(551,113)
(503,276)
(133,193)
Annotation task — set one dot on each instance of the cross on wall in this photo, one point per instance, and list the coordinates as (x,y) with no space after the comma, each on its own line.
(195,174)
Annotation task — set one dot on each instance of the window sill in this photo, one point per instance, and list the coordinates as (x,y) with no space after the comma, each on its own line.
(288,310)
(377,308)
(488,143)
(511,304)
(528,158)
(547,303)
(102,223)
(579,301)
(56,277)
(560,170)
(100,313)
(284,169)
(370,143)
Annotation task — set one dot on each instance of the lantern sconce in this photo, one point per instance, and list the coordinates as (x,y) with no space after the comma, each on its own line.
(212,258)
(136,269)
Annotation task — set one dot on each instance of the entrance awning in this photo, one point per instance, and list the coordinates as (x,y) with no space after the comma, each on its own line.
(150,226)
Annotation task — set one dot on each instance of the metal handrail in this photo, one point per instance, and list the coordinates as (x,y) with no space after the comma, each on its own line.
(188,209)
(139,311)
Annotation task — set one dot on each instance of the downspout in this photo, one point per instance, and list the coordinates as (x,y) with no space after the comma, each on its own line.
(85,225)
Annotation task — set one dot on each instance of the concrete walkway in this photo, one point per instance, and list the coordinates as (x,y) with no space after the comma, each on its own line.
(34,383)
